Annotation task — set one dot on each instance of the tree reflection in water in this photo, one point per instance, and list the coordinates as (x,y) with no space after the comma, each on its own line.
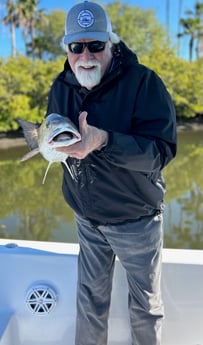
(32,211)
(184,198)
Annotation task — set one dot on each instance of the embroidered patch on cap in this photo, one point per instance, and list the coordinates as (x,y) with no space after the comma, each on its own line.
(85,19)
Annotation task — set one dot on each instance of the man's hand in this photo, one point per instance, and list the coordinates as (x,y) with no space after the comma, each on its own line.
(92,139)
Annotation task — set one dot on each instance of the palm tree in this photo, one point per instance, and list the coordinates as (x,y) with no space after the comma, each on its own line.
(11,19)
(199,10)
(193,27)
(168,16)
(179,18)
(29,17)
(23,14)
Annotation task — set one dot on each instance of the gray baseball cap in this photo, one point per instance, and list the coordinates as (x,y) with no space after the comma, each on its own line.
(87,20)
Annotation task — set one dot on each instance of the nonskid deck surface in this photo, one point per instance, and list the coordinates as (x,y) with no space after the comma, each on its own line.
(38,291)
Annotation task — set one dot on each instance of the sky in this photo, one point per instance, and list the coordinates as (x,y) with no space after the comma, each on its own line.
(159,7)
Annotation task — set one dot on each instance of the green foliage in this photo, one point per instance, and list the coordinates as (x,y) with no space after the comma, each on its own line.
(24,86)
(183,79)
(25,83)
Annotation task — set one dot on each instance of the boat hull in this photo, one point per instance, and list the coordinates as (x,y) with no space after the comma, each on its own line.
(38,293)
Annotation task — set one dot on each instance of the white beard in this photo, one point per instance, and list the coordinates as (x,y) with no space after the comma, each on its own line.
(88,77)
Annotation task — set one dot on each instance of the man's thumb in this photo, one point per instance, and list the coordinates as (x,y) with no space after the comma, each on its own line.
(83,122)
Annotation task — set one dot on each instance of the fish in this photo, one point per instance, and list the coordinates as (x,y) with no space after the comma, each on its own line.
(54,131)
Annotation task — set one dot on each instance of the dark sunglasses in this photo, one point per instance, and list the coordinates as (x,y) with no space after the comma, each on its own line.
(93,47)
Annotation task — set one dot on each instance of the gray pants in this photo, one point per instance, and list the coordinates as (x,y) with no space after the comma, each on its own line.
(138,246)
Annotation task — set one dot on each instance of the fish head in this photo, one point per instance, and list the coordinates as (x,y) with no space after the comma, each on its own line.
(57,130)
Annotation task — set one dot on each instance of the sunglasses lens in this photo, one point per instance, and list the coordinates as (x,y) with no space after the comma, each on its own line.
(93,47)
(96,46)
(76,47)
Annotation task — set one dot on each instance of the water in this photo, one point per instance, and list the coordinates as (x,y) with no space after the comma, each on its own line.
(32,211)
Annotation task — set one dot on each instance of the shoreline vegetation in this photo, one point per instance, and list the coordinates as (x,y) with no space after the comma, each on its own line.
(26,78)
(15,138)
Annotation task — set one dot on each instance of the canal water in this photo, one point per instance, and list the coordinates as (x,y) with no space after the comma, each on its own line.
(32,211)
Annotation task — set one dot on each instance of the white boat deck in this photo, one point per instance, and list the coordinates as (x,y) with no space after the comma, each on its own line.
(38,291)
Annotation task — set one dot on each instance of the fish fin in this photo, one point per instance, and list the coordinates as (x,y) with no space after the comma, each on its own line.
(45,175)
(30,154)
(70,170)
(30,132)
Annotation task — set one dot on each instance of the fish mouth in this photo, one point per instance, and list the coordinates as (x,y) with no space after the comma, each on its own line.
(60,136)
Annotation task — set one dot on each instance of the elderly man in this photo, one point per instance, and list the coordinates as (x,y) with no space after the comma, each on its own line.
(127,123)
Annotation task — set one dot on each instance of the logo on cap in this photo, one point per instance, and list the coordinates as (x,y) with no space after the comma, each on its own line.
(85,19)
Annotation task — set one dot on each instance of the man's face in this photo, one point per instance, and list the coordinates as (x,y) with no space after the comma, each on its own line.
(89,68)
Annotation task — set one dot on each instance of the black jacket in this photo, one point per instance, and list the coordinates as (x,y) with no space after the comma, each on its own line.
(123,181)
